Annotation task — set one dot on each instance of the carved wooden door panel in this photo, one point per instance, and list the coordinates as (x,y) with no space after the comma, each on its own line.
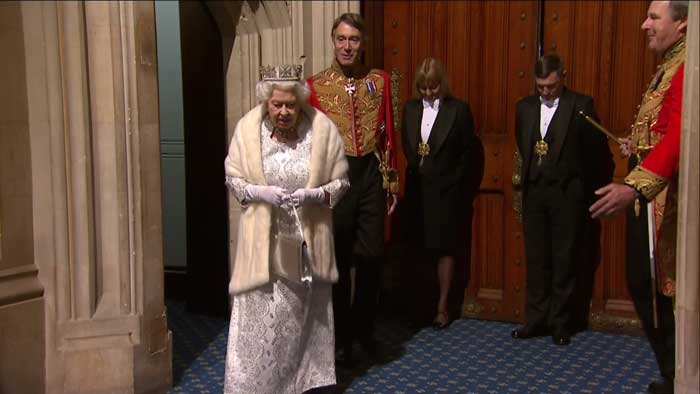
(488,49)
(605,54)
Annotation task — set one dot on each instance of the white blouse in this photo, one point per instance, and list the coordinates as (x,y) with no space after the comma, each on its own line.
(430,112)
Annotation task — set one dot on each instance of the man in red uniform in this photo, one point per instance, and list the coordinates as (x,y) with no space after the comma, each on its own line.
(654,146)
(357,99)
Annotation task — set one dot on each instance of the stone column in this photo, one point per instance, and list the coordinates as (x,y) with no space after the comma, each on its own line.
(93,125)
(688,272)
(21,294)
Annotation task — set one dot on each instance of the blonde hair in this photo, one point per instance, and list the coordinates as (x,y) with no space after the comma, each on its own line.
(431,70)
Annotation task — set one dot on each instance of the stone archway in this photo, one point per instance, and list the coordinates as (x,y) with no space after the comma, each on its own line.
(22,302)
(86,300)
(688,254)
(89,93)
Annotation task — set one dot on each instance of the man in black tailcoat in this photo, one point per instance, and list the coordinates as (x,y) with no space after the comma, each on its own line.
(564,160)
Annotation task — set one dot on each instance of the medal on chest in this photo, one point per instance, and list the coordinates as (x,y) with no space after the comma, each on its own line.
(541,148)
(350,87)
(371,87)
(423,149)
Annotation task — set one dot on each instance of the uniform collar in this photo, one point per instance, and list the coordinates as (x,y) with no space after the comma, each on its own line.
(675,49)
(358,72)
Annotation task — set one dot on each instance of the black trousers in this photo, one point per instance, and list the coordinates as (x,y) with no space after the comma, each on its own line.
(662,338)
(358,226)
(585,277)
(554,220)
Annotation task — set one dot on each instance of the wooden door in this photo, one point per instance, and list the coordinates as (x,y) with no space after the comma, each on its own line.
(605,53)
(489,49)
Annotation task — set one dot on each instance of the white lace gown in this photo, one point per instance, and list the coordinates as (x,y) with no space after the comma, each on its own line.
(281,338)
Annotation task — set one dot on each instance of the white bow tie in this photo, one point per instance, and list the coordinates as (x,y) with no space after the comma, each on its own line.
(434,105)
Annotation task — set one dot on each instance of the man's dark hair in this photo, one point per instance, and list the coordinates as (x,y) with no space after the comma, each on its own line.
(352,19)
(548,64)
(679,9)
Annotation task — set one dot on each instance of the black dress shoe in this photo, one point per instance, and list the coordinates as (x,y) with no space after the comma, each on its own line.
(578,326)
(561,340)
(344,357)
(526,332)
(373,348)
(660,387)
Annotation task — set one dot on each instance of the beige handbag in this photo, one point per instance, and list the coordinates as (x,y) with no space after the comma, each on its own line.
(291,256)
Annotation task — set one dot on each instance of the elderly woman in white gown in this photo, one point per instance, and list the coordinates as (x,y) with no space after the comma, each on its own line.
(286,159)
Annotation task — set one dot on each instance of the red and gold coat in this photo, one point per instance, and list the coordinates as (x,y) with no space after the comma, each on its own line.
(657,136)
(360,106)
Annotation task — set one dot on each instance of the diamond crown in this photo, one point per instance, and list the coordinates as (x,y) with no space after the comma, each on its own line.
(282,72)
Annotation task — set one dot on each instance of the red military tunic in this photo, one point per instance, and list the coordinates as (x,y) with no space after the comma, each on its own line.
(664,159)
(658,134)
(360,106)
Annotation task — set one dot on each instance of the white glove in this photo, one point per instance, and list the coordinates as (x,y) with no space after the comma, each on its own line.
(273,195)
(626,147)
(304,196)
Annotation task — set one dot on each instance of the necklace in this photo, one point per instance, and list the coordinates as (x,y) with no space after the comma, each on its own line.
(286,135)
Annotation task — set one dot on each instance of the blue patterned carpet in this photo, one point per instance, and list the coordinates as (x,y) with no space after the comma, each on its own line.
(471,356)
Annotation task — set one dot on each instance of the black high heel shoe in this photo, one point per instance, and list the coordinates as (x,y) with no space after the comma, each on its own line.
(442,320)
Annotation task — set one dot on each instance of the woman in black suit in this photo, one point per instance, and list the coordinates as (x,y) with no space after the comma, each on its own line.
(437,134)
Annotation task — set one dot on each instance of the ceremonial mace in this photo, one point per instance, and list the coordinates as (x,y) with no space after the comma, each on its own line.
(650,224)
(599,127)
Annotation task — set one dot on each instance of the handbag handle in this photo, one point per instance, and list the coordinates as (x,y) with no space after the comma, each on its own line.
(306,273)
(296,216)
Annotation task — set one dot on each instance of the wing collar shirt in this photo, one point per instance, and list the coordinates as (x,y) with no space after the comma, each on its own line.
(547,110)
(430,111)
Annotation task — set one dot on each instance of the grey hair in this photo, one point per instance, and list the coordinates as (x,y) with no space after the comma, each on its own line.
(679,9)
(548,64)
(263,89)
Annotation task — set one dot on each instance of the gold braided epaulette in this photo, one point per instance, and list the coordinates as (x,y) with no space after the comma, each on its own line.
(642,135)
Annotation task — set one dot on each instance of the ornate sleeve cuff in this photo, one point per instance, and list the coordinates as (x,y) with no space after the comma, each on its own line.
(237,187)
(645,182)
(336,189)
